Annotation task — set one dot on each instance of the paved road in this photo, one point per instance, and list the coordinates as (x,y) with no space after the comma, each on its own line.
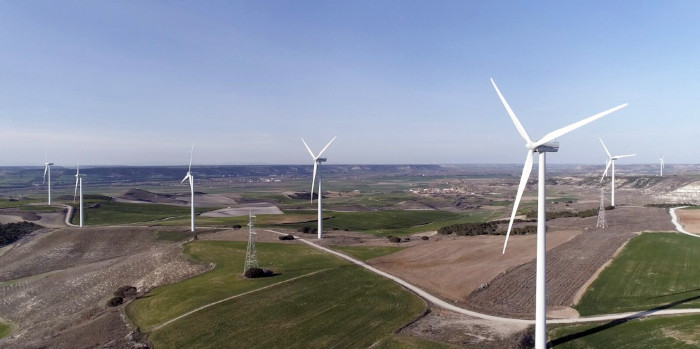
(445,305)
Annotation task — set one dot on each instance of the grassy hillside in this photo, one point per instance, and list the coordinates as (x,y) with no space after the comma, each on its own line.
(653,270)
(331,303)
(660,332)
(5,330)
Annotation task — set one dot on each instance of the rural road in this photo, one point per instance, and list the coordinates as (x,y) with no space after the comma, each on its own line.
(674,220)
(445,305)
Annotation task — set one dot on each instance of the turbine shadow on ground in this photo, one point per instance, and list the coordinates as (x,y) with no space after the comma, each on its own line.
(617,322)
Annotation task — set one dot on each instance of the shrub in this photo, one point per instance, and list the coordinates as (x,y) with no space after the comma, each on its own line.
(12,232)
(253,273)
(395,239)
(287,237)
(115,301)
(237,226)
(407,239)
(424,238)
(125,292)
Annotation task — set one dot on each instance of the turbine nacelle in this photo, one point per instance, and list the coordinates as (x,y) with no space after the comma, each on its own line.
(549,147)
(321,160)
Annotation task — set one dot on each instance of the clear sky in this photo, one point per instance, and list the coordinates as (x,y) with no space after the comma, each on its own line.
(136,82)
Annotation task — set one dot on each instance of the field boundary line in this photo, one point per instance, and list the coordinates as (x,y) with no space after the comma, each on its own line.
(158,327)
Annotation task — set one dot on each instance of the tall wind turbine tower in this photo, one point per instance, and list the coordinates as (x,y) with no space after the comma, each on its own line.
(661,169)
(543,146)
(611,162)
(47,169)
(79,184)
(191,178)
(317,162)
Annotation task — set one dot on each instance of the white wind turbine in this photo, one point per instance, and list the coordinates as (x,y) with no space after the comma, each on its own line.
(191,178)
(661,169)
(47,169)
(611,161)
(317,161)
(79,183)
(543,146)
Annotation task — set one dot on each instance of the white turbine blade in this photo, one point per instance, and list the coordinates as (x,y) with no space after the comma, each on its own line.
(326,147)
(46,168)
(309,149)
(604,147)
(189,169)
(313,181)
(527,168)
(564,130)
(517,123)
(186,176)
(607,166)
(77,176)
(624,156)
(191,183)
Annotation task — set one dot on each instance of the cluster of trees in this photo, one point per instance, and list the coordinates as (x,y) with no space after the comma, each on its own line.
(12,232)
(124,292)
(667,205)
(484,228)
(565,214)
(308,230)
(287,237)
(252,273)
(469,229)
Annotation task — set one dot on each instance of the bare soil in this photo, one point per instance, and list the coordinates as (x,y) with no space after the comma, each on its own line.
(244,211)
(569,265)
(451,267)
(690,220)
(55,284)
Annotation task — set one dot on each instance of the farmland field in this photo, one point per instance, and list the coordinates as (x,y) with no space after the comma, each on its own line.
(5,329)
(314,309)
(364,253)
(654,270)
(658,332)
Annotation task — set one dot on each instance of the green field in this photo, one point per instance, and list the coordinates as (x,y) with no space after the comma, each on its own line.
(364,253)
(657,332)
(5,330)
(116,213)
(341,305)
(654,270)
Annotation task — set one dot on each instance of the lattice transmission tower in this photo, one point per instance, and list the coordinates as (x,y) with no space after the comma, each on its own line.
(601,211)
(251,255)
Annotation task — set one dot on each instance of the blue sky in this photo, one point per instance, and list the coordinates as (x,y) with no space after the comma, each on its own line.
(136,82)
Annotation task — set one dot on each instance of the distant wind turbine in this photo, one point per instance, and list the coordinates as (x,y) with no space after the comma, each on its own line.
(79,183)
(47,169)
(191,178)
(543,146)
(661,169)
(317,162)
(611,162)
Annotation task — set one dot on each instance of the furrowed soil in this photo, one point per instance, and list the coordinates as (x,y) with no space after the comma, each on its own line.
(569,265)
(690,220)
(54,285)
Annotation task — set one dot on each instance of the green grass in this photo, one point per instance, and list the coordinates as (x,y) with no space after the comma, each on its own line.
(657,332)
(5,329)
(654,270)
(164,303)
(116,213)
(174,235)
(345,307)
(342,305)
(364,253)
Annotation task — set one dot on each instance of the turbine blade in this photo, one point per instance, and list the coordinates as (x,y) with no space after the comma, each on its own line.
(326,147)
(517,123)
(564,130)
(46,168)
(186,176)
(527,168)
(309,149)
(604,147)
(313,182)
(189,169)
(624,156)
(605,174)
(76,188)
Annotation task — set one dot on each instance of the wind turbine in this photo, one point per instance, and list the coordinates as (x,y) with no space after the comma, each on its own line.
(611,161)
(79,183)
(191,178)
(317,162)
(543,146)
(661,169)
(47,169)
